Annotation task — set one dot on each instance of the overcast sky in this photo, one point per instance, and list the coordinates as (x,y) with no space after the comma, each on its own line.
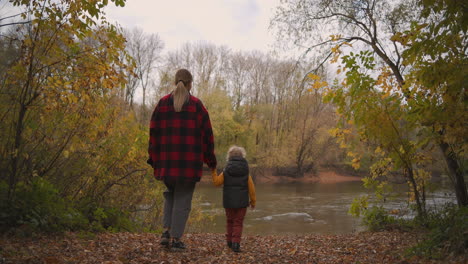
(238,24)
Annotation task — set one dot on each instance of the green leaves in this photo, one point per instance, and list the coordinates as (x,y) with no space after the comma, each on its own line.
(117,2)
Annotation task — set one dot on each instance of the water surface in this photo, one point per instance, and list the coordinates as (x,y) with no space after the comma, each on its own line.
(291,208)
(299,208)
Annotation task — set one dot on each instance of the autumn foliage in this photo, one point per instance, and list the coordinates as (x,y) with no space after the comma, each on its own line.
(68,141)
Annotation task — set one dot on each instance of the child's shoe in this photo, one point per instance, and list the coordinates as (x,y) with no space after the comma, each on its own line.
(177,245)
(165,238)
(229,244)
(236,247)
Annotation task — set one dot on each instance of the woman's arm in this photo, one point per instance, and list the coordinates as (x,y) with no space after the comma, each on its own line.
(152,136)
(208,140)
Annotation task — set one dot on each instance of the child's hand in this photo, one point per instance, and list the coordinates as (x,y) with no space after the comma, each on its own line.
(214,173)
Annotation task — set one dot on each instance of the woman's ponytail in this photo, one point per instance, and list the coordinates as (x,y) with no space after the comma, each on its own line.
(183,79)
(180,96)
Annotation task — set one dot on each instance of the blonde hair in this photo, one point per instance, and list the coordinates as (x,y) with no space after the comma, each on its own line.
(183,79)
(236,151)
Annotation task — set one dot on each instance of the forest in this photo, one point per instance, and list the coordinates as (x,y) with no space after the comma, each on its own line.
(379,91)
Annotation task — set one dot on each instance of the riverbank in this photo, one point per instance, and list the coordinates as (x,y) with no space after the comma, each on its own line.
(322,177)
(365,247)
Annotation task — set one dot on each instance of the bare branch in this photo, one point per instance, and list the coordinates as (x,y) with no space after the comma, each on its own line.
(16,23)
(3,18)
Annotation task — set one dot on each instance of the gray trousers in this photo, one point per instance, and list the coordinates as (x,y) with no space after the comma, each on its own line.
(177,206)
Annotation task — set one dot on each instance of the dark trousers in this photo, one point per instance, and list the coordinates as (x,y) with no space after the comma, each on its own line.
(235,221)
(177,206)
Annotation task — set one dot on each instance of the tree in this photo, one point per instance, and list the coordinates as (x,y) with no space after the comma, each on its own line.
(238,71)
(56,42)
(387,29)
(145,50)
(376,113)
(57,126)
(369,23)
(436,50)
(206,62)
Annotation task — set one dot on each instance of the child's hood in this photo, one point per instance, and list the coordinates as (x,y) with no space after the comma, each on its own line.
(237,167)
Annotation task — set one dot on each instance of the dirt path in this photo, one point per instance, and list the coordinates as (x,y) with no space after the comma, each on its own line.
(384,247)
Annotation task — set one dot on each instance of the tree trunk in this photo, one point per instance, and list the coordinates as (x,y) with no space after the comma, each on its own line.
(14,159)
(420,208)
(456,174)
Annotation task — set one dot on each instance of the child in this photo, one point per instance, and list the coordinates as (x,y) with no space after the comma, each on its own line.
(238,187)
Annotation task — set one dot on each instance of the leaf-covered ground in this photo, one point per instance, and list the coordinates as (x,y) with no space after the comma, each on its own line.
(382,247)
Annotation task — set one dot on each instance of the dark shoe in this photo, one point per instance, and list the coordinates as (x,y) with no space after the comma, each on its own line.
(236,247)
(229,243)
(165,238)
(177,245)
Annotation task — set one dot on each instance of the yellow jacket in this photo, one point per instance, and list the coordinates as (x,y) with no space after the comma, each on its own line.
(218,180)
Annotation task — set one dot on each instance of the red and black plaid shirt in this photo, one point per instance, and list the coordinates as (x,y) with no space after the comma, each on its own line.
(180,141)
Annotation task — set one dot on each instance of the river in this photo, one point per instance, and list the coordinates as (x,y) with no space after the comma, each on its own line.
(298,208)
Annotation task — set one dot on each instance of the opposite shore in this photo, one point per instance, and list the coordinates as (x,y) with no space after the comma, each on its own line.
(324,176)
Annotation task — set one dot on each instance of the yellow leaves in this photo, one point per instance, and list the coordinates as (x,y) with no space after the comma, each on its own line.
(422,178)
(406,39)
(317,85)
(378,151)
(336,49)
(356,161)
(402,150)
(385,95)
(334,58)
(386,82)
(72,99)
(381,167)
(335,37)
(317,82)
(313,77)
(336,53)
(334,132)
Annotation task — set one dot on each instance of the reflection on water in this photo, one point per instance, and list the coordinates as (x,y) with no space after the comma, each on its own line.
(301,208)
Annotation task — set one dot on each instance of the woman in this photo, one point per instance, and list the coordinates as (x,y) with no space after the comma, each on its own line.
(181,139)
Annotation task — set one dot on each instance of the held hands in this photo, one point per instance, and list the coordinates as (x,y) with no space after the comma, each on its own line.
(214,173)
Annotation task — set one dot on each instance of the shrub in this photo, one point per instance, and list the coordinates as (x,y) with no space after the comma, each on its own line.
(448,233)
(111,219)
(38,205)
(376,218)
